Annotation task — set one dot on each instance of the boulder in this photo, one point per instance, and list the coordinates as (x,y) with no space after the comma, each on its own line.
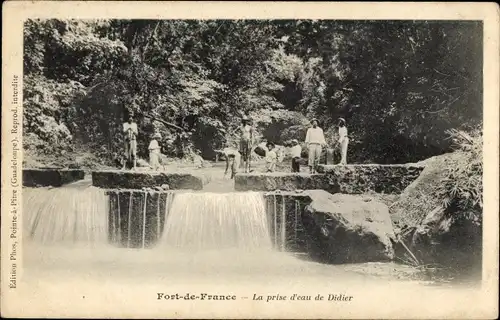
(421,197)
(348,229)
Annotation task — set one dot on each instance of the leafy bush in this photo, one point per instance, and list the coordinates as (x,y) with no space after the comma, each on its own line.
(462,189)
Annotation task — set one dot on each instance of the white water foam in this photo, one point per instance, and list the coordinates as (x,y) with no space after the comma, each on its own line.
(204,221)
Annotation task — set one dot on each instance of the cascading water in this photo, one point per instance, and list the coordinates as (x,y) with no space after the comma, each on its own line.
(94,235)
(217,221)
(65,215)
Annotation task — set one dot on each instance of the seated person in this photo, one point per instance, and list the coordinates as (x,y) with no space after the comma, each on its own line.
(271,157)
(295,152)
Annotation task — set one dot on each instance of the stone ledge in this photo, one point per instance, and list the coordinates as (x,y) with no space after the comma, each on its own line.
(137,180)
(279,181)
(357,179)
(51,177)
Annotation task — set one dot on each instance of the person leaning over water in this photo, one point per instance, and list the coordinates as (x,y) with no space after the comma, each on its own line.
(233,158)
(315,140)
(343,140)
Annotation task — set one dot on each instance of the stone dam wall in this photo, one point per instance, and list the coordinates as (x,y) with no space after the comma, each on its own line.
(51,177)
(138,180)
(349,179)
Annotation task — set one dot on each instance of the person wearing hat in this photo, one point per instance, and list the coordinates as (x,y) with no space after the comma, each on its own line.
(271,157)
(131,132)
(295,152)
(315,140)
(154,152)
(343,141)
(246,141)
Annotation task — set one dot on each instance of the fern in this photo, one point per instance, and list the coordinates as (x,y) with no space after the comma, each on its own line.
(462,188)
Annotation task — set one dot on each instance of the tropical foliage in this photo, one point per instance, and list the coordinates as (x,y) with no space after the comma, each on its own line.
(400,85)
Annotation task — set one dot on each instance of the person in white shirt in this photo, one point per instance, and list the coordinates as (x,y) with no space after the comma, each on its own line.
(271,157)
(154,152)
(343,141)
(131,132)
(295,152)
(315,140)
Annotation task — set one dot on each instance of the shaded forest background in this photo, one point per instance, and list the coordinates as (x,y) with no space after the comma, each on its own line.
(401,85)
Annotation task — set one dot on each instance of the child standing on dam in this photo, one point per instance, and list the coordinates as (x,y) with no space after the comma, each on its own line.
(343,141)
(154,152)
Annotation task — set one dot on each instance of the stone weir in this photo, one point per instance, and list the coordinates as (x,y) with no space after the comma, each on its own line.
(115,179)
(139,203)
(347,179)
(136,218)
(53,177)
(330,228)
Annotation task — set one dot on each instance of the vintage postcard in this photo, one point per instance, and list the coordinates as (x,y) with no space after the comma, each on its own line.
(250,160)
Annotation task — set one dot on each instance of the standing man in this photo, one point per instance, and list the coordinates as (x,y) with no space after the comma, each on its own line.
(343,140)
(246,141)
(131,132)
(315,140)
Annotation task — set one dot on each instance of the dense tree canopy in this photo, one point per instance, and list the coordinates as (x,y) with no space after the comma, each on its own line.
(400,84)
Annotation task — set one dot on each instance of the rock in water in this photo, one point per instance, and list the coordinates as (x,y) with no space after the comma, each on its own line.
(348,229)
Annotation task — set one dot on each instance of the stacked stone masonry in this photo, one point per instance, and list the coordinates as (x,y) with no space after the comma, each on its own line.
(349,179)
(139,180)
(51,177)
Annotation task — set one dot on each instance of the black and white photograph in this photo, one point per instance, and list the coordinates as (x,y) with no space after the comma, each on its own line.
(200,163)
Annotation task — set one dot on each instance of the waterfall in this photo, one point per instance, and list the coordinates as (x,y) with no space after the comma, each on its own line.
(137,217)
(277,221)
(217,221)
(65,215)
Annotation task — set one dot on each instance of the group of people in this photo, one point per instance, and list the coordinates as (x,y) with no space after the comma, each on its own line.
(315,142)
(130,132)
